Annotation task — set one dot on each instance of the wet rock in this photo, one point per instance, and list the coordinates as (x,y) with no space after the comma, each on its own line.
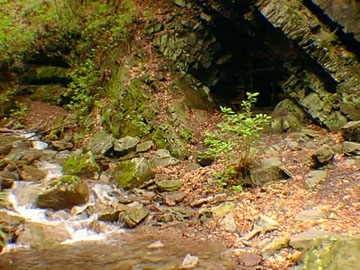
(131,173)
(110,214)
(189,262)
(64,193)
(249,259)
(41,235)
(314,178)
(62,145)
(305,239)
(351,148)
(144,146)
(126,145)
(205,158)
(135,214)
(310,215)
(81,165)
(270,169)
(333,252)
(100,143)
(156,245)
(351,131)
(9,177)
(30,173)
(168,185)
(223,209)
(322,156)
(9,224)
(275,245)
(162,158)
(23,156)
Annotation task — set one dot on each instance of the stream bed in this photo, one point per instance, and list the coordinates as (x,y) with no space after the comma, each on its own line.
(77,239)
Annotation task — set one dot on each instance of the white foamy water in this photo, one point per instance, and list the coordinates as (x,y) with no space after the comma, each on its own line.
(52,170)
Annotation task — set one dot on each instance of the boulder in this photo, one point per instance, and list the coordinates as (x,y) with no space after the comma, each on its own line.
(144,146)
(43,235)
(81,165)
(270,169)
(62,145)
(64,193)
(333,253)
(110,214)
(126,145)
(162,158)
(131,173)
(168,185)
(351,131)
(100,143)
(315,177)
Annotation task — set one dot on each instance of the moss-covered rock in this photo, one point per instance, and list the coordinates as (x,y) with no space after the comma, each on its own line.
(31,173)
(205,158)
(166,137)
(82,165)
(333,253)
(131,173)
(64,193)
(100,143)
(168,185)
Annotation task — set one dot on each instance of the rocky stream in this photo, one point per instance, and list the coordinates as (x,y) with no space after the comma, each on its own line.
(85,224)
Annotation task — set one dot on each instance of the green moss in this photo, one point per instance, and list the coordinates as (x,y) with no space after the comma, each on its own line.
(81,165)
(125,174)
(186,134)
(158,138)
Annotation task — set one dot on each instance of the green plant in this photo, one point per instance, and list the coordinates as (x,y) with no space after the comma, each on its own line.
(241,132)
(18,114)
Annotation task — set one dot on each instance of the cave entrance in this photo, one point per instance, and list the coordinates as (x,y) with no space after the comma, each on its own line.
(258,55)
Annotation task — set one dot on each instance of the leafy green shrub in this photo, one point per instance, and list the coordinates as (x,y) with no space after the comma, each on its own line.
(238,131)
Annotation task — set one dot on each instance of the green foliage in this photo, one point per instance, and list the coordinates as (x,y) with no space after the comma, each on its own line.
(18,114)
(84,87)
(238,131)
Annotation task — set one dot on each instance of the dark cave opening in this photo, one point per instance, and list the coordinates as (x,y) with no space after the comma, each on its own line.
(249,61)
(257,57)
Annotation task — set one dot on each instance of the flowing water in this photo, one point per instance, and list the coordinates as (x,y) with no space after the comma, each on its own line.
(108,247)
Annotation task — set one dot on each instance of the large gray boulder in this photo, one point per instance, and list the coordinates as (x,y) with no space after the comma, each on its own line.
(100,143)
(163,158)
(64,193)
(126,145)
